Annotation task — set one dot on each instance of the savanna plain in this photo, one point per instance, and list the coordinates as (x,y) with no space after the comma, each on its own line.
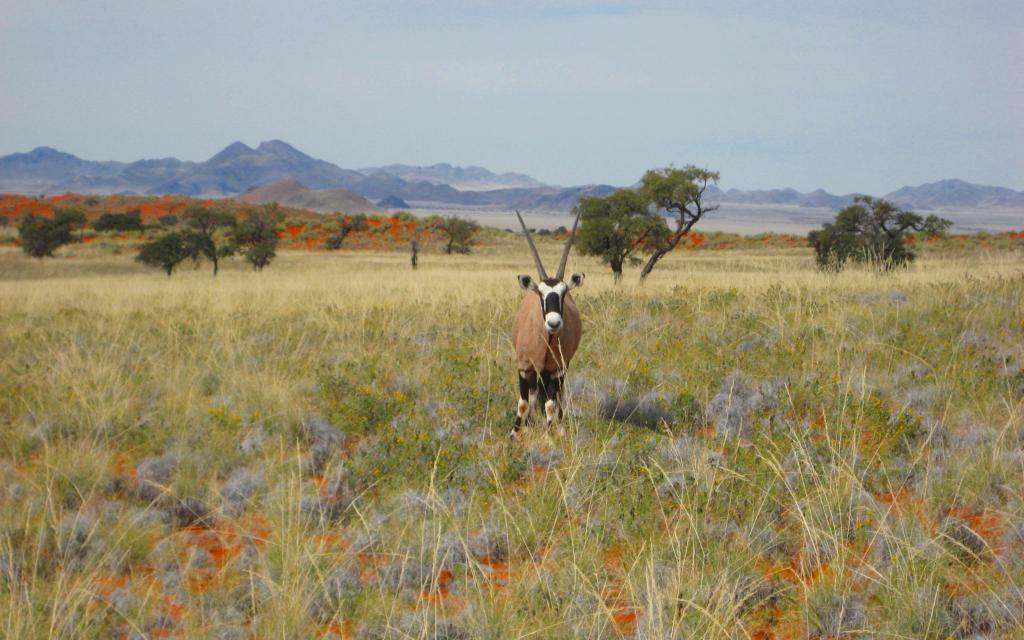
(751,449)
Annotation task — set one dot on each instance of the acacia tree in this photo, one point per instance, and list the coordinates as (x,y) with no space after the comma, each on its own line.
(256,235)
(40,237)
(617,227)
(460,233)
(346,226)
(680,192)
(167,251)
(871,230)
(204,226)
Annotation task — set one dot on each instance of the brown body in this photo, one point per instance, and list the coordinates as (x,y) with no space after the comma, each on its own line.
(536,349)
(545,334)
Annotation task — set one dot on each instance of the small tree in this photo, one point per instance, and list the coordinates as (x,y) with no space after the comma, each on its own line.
(256,235)
(344,227)
(167,251)
(680,192)
(130,221)
(205,225)
(617,227)
(414,245)
(460,233)
(40,237)
(871,230)
(72,218)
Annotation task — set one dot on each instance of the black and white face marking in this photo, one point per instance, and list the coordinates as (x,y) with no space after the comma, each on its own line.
(552,293)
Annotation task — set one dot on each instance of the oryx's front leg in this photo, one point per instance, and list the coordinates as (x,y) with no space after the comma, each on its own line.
(527,386)
(552,384)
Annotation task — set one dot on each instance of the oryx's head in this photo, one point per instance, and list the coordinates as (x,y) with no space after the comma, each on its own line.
(551,290)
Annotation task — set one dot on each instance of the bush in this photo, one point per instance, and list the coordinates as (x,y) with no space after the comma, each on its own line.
(131,221)
(344,227)
(871,230)
(40,237)
(459,232)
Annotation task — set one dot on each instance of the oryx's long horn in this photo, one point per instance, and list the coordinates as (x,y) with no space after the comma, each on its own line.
(568,246)
(533,249)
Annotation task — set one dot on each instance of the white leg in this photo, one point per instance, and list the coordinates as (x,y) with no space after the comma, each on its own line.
(550,411)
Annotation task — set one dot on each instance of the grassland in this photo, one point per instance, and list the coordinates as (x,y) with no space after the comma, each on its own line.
(752,450)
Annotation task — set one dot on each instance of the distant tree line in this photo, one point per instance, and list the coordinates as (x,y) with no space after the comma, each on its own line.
(459,234)
(201,233)
(629,226)
(654,218)
(213,234)
(210,233)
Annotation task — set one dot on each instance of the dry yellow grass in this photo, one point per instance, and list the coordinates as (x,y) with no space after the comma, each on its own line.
(810,455)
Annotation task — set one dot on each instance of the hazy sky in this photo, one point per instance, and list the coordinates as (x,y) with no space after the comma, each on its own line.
(848,96)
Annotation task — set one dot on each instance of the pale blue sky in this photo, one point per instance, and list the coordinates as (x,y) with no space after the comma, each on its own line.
(848,96)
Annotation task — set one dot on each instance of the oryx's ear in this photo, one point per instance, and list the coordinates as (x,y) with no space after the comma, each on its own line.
(576,280)
(527,282)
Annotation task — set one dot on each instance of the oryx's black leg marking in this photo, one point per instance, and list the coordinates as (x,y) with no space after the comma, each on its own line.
(556,390)
(544,388)
(552,384)
(527,383)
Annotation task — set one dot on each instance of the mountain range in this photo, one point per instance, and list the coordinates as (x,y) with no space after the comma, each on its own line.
(292,193)
(240,170)
(817,198)
(462,178)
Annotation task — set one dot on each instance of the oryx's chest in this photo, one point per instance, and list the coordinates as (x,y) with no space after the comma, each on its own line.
(536,348)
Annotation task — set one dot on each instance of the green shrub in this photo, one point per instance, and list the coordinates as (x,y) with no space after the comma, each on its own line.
(40,237)
(131,221)
(344,227)
(871,230)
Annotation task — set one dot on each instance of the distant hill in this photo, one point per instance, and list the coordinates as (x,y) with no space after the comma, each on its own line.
(238,169)
(792,197)
(233,170)
(291,192)
(393,202)
(277,191)
(956,193)
(48,163)
(541,198)
(45,170)
(462,178)
(379,185)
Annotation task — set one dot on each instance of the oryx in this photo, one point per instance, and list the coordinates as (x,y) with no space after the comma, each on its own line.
(545,333)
